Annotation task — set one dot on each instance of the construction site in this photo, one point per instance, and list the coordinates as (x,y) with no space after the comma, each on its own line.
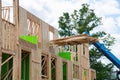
(30,49)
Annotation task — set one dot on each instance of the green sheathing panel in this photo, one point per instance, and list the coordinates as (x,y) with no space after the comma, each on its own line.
(85,74)
(53,74)
(64,71)
(31,39)
(6,67)
(65,55)
(53,70)
(25,67)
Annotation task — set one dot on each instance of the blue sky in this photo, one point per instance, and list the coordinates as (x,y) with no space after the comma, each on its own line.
(50,10)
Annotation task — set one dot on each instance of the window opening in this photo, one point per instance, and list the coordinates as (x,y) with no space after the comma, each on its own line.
(83,49)
(7,10)
(75,71)
(7,67)
(50,35)
(53,68)
(44,64)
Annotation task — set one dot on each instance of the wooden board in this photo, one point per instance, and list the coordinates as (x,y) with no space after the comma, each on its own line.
(36,65)
(45,36)
(93,74)
(16,23)
(77,39)
(69,71)
(23,21)
(59,69)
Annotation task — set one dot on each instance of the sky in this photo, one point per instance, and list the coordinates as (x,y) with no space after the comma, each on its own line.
(51,10)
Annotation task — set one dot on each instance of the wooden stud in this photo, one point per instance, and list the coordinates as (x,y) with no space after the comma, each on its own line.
(0,36)
(16,22)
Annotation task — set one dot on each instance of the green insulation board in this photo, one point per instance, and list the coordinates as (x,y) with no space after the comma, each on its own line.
(65,55)
(53,73)
(31,39)
(64,71)
(25,67)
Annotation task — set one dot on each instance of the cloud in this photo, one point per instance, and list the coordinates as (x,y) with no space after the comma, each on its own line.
(51,10)
(118,21)
(109,26)
(105,8)
(110,12)
(116,47)
(114,50)
(7,2)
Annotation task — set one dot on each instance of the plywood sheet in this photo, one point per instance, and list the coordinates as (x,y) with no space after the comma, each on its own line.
(83,59)
(45,36)
(23,21)
(55,34)
(93,74)
(59,69)
(69,70)
(36,64)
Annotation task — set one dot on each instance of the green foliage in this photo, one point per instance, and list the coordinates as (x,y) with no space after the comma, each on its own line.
(83,20)
(102,70)
(86,19)
(94,55)
(65,25)
(99,34)
(109,40)
(80,21)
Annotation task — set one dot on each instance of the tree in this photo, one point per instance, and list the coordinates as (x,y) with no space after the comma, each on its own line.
(102,71)
(85,20)
(65,26)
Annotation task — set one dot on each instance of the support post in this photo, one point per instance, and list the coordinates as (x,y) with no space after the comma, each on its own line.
(0,37)
(16,57)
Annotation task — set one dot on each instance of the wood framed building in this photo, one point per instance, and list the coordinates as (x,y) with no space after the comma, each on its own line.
(38,58)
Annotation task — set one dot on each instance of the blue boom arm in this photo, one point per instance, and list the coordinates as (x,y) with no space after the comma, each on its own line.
(107,53)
